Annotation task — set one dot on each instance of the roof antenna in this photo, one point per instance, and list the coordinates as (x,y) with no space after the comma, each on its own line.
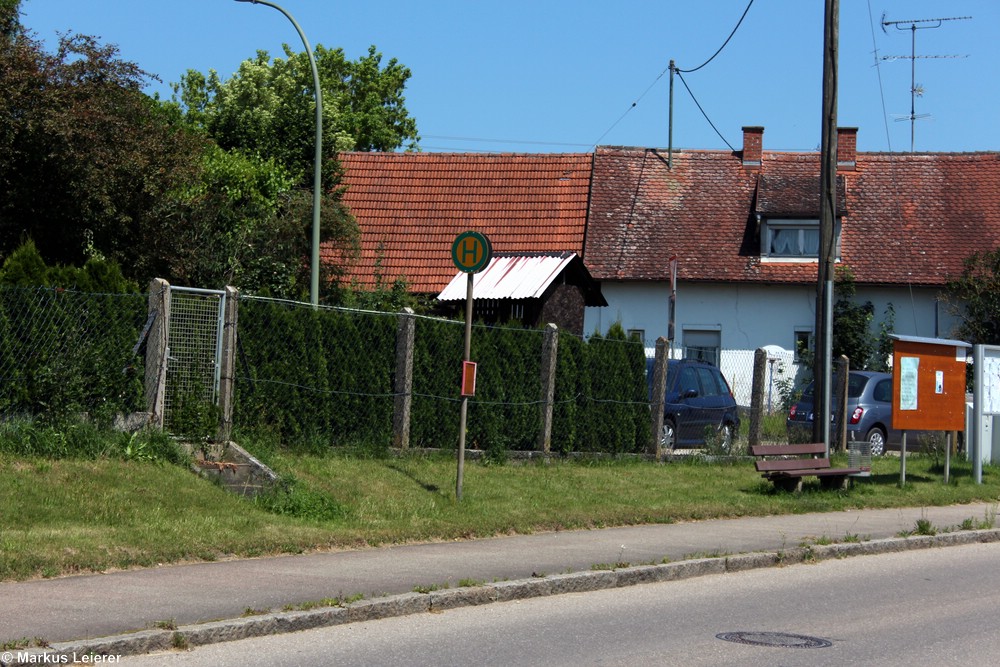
(916,90)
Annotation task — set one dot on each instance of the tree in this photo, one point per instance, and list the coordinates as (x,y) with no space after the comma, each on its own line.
(213,191)
(86,158)
(267,107)
(975,297)
(852,327)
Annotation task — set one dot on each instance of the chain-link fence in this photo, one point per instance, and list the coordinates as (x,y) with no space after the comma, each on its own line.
(333,376)
(337,377)
(68,353)
(314,373)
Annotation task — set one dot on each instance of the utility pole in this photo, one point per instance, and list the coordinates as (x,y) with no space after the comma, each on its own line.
(827,216)
(915,90)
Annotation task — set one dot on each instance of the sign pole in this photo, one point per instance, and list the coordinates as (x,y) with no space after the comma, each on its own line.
(471,252)
(463,420)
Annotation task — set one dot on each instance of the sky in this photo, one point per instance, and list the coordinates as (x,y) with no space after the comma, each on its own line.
(562,76)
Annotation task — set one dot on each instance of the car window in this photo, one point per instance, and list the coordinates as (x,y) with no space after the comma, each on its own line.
(883,391)
(856,385)
(709,387)
(687,381)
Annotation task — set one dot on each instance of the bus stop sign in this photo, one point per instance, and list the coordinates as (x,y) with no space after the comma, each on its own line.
(471,252)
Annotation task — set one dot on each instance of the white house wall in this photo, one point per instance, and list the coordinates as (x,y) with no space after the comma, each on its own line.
(749,317)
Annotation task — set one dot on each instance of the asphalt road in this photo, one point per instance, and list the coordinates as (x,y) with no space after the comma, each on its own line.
(927,607)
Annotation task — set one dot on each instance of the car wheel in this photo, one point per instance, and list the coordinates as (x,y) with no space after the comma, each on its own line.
(876,438)
(669,438)
(726,437)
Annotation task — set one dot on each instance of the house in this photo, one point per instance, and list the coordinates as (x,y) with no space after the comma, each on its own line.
(743,227)
(412,206)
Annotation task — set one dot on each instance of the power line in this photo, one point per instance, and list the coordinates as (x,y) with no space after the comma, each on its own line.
(631,106)
(660,76)
(697,104)
(687,71)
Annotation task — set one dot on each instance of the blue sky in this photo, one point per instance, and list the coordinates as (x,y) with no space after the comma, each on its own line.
(562,75)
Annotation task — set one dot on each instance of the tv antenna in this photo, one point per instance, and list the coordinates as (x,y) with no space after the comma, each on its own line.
(916,90)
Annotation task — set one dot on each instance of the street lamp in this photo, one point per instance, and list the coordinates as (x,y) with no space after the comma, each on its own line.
(318,160)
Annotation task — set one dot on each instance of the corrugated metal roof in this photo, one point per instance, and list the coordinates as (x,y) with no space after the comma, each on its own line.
(510,277)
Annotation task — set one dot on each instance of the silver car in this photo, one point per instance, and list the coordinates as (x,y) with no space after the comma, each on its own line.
(869,413)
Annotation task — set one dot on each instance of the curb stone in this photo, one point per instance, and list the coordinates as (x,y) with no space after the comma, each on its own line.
(151,641)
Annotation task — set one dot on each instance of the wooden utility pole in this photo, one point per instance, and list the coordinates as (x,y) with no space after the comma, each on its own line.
(827,219)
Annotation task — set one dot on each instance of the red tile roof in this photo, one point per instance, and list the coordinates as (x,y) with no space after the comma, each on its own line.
(411,206)
(911,218)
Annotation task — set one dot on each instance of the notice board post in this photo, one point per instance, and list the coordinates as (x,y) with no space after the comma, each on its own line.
(928,388)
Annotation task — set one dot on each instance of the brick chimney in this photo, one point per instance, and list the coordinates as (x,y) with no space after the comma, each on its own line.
(847,148)
(753,146)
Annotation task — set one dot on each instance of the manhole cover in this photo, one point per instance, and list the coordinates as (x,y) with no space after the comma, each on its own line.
(779,639)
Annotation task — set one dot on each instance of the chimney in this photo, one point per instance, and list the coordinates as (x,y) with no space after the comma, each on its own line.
(847,148)
(753,146)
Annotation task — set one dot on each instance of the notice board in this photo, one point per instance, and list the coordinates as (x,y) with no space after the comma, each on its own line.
(928,384)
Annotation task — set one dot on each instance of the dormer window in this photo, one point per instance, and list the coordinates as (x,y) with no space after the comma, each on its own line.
(794,239)
(787,213)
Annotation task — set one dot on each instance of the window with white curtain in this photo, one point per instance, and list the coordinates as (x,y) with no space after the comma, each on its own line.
(794,239)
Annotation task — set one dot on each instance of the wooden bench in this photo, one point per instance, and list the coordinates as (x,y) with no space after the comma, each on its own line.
(797,461)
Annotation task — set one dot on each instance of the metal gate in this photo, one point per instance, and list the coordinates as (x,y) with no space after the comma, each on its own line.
(194,355)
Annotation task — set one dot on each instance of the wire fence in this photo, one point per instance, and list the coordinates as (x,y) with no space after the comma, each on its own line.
(332,375)
(327,376)
(70,353)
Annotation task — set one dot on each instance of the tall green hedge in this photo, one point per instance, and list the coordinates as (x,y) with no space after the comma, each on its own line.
(315,374)
(66,339)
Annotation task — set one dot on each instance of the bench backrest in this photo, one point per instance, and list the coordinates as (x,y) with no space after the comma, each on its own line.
(812,448)
(772,465)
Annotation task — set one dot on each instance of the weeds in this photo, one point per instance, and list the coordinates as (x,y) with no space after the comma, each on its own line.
(925,527)
(431,588)
(290,497)
(250,611)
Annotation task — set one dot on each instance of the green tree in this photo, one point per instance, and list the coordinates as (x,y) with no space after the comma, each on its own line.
(268,107)
(86,158)
(975,297)
(266,113)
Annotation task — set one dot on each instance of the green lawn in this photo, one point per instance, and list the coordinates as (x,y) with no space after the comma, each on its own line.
(66,516)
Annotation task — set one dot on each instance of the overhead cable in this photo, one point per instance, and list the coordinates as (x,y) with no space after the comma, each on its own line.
(723,44)
(703,111)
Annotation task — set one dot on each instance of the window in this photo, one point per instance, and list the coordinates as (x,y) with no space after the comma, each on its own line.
(803,343)
(709,386)
(794,239)
(640,334)
(703,344)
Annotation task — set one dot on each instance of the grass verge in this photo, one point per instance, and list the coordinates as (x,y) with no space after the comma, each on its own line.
(68,516)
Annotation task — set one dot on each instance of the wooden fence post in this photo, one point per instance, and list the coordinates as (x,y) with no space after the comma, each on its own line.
(757,397)
(550,349)
(227,365)
(403,388)
(157,349)
(842,371)
(658,396)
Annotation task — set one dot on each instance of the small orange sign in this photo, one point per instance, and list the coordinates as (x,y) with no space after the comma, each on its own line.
(468,378)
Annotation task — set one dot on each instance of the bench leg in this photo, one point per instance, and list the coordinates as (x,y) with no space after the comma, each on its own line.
(793,484)
(835,482)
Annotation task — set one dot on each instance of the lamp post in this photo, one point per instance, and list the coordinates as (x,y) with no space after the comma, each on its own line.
(318,160)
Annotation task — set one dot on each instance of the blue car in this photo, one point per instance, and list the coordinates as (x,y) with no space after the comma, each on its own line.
(698,401)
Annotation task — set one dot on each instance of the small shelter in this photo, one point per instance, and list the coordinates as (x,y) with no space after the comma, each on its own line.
(531,288)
